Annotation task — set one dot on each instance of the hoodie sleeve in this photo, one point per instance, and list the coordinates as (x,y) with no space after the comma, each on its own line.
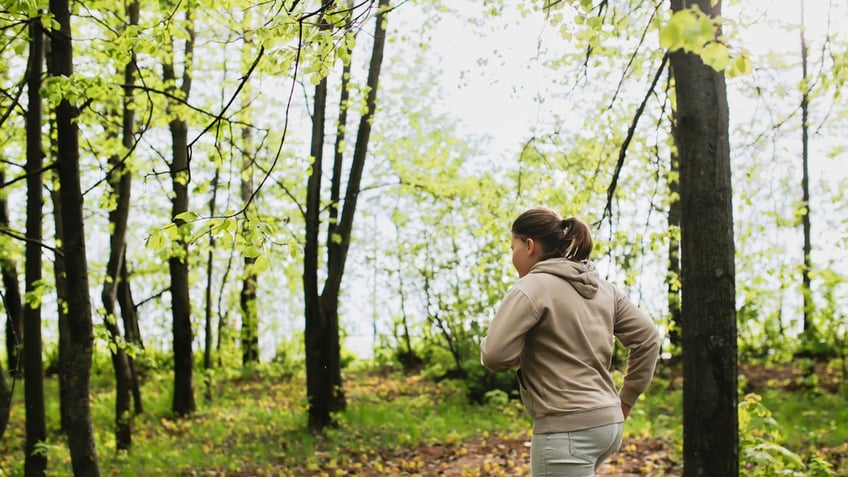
(515,317)
(641,337)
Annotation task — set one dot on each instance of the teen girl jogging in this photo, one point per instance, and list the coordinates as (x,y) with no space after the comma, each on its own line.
(557,324)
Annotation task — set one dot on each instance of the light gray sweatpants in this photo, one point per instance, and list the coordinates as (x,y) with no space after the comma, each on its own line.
(574,454)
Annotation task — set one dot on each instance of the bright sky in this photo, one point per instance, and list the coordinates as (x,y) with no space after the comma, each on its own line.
(497,98)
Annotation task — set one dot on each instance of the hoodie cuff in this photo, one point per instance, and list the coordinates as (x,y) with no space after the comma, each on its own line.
(628,396)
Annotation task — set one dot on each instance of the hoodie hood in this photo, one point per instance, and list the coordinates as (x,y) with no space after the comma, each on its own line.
(583,276)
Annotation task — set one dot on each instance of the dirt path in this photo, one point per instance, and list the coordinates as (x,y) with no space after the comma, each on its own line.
(505,457)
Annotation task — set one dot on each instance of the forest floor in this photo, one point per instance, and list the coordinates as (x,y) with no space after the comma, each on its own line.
(500,456)
(410,425)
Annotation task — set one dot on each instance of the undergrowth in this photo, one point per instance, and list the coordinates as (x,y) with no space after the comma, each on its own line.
(256,425)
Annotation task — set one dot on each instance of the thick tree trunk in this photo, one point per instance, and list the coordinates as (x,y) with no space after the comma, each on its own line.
(710,440)
(11,297)
(80,432)
(183,402)
(35,463)
(323,360)
(319,389)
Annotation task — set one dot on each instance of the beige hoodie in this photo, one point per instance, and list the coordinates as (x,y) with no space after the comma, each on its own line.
(558,323)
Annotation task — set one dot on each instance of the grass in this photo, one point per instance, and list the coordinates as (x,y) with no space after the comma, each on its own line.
(261,418)
(810,418)
(256,424)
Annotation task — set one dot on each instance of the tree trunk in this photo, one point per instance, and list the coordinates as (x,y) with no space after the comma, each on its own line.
(60,277)
(120,182)
(710,440)
(673,273)
(247,298)
(318,387)
(183,403)
(323,358)
(11,298)
(129,314)
(35,463)
(806,269)
(5,403)
(79,432)
(207,314)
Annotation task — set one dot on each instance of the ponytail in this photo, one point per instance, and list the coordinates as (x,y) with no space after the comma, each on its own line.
(577,235)
(568,238)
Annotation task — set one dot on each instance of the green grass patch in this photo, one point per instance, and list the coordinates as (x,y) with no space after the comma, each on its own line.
(256,423)
(809,418)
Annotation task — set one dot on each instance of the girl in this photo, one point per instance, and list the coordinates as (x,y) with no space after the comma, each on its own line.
(557,323)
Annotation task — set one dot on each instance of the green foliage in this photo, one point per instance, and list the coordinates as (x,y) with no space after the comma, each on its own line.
(760,453)
(256,423)
(693,31)
(290,355)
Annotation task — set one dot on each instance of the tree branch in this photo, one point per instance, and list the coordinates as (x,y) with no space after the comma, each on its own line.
(630,133)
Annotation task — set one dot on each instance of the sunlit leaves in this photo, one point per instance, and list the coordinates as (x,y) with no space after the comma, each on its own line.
(740,66)
(76,89)
(715,55)
(693,31)
(759,436)
(34,297)
(186,216)
(688,29)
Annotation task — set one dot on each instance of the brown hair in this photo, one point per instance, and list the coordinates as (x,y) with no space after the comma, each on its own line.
(569,238)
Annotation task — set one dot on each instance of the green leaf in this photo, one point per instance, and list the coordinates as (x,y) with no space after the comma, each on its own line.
(671,36)
(251,251)
(156,240)
(716,56)
(689,29)
(740,66)
(186,216)
(261,264)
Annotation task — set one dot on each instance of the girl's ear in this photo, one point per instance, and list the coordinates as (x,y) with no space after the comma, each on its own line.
(531,246)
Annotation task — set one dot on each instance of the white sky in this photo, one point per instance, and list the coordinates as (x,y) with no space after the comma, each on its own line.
(495,98)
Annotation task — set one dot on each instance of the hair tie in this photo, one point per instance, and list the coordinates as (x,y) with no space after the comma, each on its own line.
(563,223)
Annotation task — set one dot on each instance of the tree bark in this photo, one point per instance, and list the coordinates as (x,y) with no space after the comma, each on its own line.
(207,294)
(80,432)
(323,357)
(60,277)
(5,402)
(183,402)
(247,298)
(11,298)
(120,182)
(129,314)
(710,427)
(319,388)
(35,463)
(673,273)
(806,268)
